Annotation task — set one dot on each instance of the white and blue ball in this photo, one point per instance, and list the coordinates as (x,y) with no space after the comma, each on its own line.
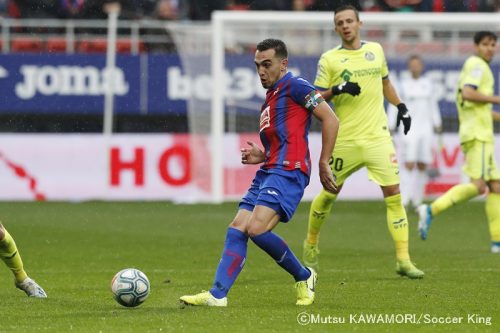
(130,287)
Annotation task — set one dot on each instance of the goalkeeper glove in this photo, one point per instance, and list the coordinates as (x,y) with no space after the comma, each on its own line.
(403,116)
(352,88)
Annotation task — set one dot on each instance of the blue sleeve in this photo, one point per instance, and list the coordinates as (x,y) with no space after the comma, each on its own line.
(304,93)
(300,89)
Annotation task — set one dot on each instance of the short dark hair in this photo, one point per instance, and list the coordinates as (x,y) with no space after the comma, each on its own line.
(277,45)
(480,35)
(414,56)
(346,7)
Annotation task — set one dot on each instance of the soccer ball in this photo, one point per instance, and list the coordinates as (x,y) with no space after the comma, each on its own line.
(130,287)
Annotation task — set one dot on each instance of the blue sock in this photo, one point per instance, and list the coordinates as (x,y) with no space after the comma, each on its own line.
(231,263)
(276,247)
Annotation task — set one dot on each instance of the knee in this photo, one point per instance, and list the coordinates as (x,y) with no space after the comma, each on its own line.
(239,225)
(256,229)
(494,187)
(480,185)
(389,191)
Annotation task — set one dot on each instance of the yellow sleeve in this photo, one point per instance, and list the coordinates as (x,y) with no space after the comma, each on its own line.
(385,69)
(323,76)
(472,73)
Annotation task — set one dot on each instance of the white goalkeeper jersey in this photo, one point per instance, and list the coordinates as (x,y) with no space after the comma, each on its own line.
(419,96)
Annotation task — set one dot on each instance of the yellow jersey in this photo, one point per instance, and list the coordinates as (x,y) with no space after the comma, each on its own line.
(476,122)
(362,116)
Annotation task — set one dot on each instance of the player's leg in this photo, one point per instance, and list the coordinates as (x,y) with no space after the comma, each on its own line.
(424,158)
(278,199)
(321,207)
(230,265)
(493,214)
(344,162)
(12,258)
(407,183)
(493,200)
(474,167)
(234,252)
(383,169)
(420,181)
(408,172)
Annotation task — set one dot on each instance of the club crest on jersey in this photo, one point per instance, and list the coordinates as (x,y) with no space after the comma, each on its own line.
(264,119)
(369,56)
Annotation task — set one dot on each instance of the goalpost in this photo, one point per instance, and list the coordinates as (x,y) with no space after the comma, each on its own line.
(436,36)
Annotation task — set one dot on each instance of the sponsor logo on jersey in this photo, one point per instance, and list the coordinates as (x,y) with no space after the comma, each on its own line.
(345,75)
(265,119)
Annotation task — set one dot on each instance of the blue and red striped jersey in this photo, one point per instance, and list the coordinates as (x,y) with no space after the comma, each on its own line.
(285,118)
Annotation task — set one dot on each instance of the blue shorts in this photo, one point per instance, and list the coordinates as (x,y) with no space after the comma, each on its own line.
(277,189)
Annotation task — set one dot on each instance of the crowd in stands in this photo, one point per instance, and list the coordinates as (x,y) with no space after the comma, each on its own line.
(201,9)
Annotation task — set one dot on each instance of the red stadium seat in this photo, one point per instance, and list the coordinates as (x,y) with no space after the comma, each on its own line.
(123,45)
(92,46)
(430,48)
(26,44)
(466,48)
(56,44)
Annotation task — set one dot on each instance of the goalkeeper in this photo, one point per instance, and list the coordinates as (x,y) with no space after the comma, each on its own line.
(354,75)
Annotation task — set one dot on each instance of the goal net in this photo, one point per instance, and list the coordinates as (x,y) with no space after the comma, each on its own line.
(227,115)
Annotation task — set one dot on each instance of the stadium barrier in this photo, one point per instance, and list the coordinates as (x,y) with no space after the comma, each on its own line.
(158,167)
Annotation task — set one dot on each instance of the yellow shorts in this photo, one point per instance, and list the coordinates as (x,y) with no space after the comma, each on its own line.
(480,160)
(377,155)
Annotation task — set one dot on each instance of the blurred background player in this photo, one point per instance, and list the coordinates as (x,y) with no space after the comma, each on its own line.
(418,92)
(475,96)
(10,255)
(355,75)
(279,184)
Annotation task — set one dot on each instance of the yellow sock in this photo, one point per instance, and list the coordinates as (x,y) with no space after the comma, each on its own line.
(11,257)
(397,222)
(493,214)
(320,209)
(455,195)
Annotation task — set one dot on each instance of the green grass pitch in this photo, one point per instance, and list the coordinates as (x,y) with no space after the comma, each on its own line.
(74,249)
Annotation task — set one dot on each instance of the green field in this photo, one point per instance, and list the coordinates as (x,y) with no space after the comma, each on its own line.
(73,251)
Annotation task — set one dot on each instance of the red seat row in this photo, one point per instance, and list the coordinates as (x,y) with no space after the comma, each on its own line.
(58,44)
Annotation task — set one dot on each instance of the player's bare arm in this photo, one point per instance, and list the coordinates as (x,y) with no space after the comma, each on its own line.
(495,115)
(329,131)
(470,94)
(391,95)
(252,155)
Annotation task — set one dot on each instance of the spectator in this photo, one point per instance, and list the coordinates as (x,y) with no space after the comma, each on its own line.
(455,5)
(270,5)
(405,5)
(94,9)
(4,8)
(37,9)
(166,10)
(202,9)
(145,8)
(332,5)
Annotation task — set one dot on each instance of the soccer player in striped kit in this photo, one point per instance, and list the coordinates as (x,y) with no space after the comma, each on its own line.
(279,184)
